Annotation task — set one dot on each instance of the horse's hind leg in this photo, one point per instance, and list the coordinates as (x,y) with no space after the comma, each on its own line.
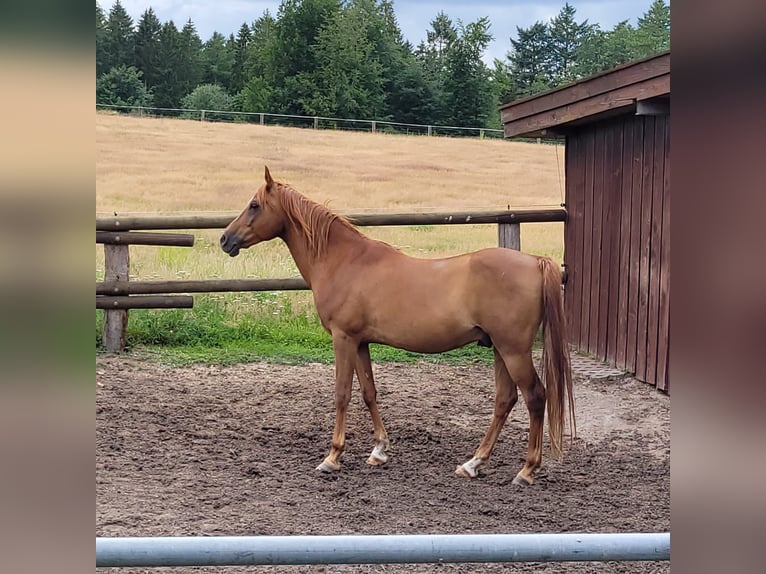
(505,397)
(534,396)
(369,394)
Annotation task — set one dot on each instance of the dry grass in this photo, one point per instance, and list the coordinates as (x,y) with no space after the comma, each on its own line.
(146,165)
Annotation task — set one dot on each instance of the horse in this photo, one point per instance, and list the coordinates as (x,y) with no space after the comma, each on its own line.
(367,291)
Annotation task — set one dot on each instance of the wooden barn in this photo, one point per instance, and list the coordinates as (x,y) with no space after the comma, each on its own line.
(617,235)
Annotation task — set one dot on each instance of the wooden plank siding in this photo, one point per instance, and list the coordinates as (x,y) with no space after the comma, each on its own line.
(617,239)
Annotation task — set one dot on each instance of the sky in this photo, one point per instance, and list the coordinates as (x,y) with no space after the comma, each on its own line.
(226,16)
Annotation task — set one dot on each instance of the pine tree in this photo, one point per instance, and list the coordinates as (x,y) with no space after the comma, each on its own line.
(118,39)
(530,58)
(502,83)
(432,56)
(259,53)
(653,33)
(238,74)
(147,46)
(101,55)
(349,75)
(168,91)
(566,38)
(620,45)
(217,61)
(467,85)
(411,99)
(292,62)
(189,60)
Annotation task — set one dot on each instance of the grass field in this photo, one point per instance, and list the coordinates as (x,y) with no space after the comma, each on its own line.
(151,166)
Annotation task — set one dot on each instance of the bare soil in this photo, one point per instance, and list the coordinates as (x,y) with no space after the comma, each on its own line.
(211,450)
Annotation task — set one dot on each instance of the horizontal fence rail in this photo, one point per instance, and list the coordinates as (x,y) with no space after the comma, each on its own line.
(380,549)
(130,238)
(128,222)
(199,286)
(146,302)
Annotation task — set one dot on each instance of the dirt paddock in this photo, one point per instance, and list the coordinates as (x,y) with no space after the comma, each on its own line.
(210,450)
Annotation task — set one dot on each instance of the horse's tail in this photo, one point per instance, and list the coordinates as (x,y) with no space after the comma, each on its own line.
(557,370)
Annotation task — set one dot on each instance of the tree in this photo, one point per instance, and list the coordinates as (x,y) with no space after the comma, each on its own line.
(411,98)
(390,53)
(255,96)
(217,61)
(467,85)
(210,97)
(122,86)
(653,32)
(118,38)
(349,75)
(168,91)
(293,62)
(566,37)
(432,56)
(620,45)
(189,58)
(530,57)
(238,75)
(101,55)
(501,82)
(259,52)
(147,46)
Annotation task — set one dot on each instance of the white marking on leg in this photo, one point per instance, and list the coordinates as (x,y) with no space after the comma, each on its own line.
(379,452)
(472,467)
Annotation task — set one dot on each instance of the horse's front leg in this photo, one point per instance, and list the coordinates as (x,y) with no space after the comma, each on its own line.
(369,394)
(345,358)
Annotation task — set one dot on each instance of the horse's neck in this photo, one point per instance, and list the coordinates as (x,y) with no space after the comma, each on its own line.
(341,241)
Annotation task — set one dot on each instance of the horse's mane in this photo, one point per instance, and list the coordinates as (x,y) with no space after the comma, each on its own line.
(313,219)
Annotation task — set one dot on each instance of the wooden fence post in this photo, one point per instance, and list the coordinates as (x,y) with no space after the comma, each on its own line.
(116,268)
(509,235)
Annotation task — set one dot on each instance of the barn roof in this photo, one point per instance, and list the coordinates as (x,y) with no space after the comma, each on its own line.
(641,87)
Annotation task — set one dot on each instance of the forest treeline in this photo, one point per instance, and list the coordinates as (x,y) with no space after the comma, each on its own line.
(348,59)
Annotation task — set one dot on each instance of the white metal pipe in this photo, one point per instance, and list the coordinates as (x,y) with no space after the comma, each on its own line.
(379,549)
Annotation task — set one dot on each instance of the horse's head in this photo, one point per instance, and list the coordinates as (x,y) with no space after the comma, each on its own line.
(261,220)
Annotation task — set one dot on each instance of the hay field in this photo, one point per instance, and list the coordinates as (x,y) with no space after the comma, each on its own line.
(150,165)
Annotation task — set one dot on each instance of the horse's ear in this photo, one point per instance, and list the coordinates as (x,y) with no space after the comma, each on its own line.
(269,180)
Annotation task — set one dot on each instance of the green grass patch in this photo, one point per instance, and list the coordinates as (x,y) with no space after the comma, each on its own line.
(220,330)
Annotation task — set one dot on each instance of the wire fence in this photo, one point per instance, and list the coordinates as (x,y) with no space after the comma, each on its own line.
(315,122)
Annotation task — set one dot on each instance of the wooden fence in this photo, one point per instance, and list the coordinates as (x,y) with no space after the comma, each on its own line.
(116,294)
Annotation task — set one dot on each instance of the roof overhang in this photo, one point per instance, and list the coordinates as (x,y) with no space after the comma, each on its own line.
(636,87)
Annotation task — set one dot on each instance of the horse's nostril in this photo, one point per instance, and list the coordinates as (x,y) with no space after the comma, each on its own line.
(223,239)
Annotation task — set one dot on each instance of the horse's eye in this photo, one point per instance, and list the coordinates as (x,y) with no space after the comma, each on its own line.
(254,205)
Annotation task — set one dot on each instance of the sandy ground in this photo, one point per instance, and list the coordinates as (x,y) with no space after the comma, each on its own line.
(210,450)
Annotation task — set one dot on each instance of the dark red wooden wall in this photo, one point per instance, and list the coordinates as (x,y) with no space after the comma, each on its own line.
(617,243)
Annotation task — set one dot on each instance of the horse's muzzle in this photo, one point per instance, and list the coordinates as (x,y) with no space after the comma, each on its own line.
(230,244)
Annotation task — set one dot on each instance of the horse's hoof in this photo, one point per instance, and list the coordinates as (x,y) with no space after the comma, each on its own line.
(327,466)
(466,471)
(521,481)
(460,471)
(378,456)
(469,469)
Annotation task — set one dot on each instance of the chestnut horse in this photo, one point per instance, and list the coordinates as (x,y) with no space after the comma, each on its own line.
(367,291)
